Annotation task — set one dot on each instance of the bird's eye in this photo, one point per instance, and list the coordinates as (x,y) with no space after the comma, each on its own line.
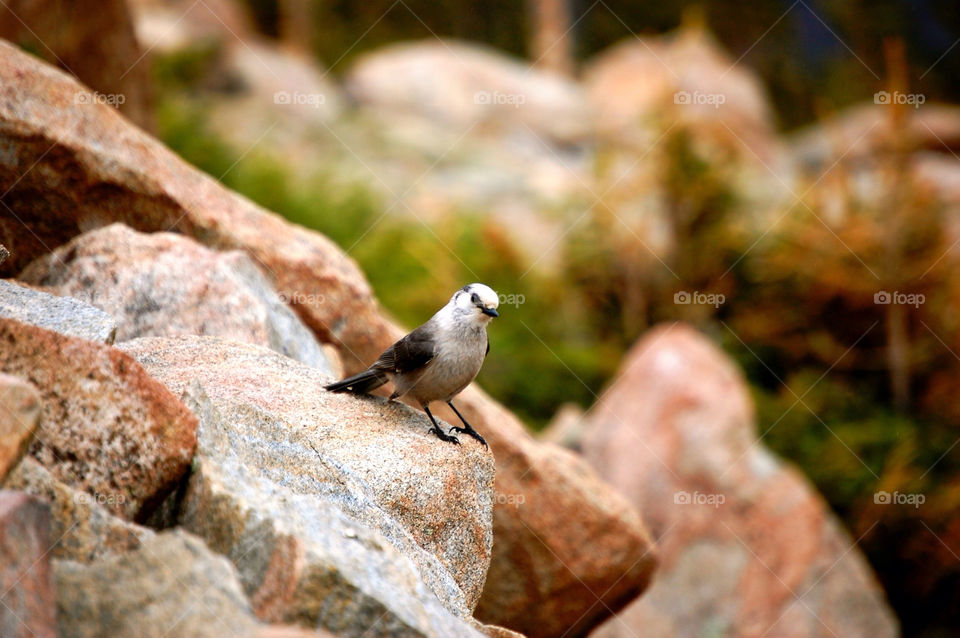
(475,298)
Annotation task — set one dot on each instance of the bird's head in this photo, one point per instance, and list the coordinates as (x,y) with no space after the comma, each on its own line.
(477,300)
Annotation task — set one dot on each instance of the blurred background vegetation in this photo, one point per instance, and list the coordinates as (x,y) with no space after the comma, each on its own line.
(861,396)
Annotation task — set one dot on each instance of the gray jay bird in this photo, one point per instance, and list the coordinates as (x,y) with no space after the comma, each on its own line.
(437,360)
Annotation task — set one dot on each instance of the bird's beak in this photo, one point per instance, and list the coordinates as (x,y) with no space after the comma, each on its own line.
(490,312)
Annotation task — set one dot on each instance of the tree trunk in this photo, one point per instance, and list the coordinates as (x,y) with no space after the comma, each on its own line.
(296,23)
(551,43)
(898,352)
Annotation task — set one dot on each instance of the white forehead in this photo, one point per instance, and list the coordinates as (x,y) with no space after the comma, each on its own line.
(486,294)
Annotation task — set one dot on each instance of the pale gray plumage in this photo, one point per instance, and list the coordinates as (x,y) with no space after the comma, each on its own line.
(437,360)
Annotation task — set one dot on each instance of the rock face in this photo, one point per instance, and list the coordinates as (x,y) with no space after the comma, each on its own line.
(201,596)
(748,547)
(106,427)
(91,168)
(149,283)
(81,528)
(19,416)
(27,604)
(465,84)
(61,314)
(321,497)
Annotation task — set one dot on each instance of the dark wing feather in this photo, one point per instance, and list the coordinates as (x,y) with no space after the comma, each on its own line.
(488,347)
(411,353)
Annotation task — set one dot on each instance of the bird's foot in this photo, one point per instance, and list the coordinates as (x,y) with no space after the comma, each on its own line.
(469,431)
(443,436)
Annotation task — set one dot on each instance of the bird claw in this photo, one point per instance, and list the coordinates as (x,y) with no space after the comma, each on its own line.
(444,437)
(471,432)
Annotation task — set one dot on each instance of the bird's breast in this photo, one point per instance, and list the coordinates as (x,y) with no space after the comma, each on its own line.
(453,368)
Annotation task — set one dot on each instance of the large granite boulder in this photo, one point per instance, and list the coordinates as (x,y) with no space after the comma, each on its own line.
(81,527)
(93,40)
(336,510)
(684,76)
(464,84)
(149,284)
(106,427)
(748,547)
(171,586)
(61,314)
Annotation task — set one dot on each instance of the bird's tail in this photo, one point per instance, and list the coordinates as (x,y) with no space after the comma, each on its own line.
(360,383)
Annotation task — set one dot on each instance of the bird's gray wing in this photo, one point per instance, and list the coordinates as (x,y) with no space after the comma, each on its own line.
(411,353)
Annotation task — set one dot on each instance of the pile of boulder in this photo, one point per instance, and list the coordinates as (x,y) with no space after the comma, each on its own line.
(171,464)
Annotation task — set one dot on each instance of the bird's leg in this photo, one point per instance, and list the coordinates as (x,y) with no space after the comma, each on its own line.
(468,429)
(436,429)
